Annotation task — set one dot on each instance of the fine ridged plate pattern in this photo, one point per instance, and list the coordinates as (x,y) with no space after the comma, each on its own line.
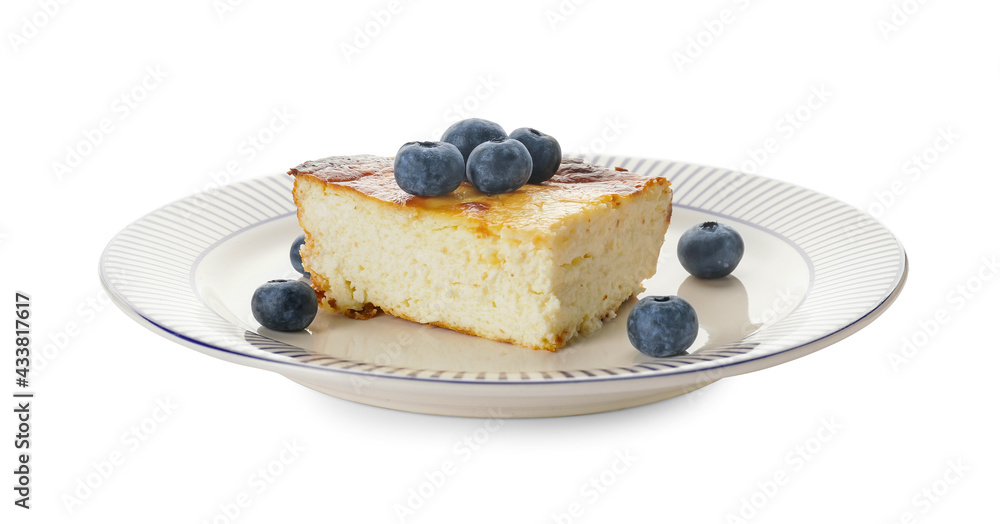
(854,265)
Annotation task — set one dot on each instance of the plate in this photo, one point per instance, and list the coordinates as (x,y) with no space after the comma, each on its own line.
(815,271)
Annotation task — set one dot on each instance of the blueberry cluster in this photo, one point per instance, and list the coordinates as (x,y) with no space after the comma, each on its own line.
(286,305)
(479,152)
(665,326)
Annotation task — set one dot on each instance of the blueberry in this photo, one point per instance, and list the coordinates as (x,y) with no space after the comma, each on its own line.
(546,155)
(499,166)
(662,326)
(296,255)
(284,305)
(469,133)
(710,250)
(428,168)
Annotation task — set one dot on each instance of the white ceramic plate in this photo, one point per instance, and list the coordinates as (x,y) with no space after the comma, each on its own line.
(815,271)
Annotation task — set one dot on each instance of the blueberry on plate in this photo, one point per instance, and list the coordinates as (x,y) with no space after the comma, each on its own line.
(499,166)
(428,168)
(469,133)
(284,305)
(710,250)
(546,155)
(662,326)
(295,254)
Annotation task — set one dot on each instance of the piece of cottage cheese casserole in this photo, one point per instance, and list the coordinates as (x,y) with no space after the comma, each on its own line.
(535,267)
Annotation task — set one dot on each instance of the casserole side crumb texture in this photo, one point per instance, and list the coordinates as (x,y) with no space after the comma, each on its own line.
(535,267)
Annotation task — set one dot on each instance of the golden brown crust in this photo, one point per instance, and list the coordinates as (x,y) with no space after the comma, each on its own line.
(575,185)
(367,311)
(372,175)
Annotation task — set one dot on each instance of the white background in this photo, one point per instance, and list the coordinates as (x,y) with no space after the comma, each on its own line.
(698,459)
